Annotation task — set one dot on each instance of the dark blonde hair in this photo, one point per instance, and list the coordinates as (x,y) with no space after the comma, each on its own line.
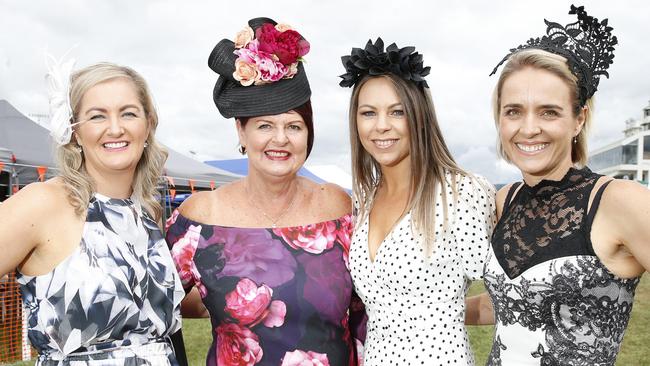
(430,158)
(557,65)
(79,183)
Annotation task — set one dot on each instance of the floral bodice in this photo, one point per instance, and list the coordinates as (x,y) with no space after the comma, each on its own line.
(555,302)
(279,296)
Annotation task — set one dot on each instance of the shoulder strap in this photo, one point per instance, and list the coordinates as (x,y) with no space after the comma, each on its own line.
(510,197)
(596,202)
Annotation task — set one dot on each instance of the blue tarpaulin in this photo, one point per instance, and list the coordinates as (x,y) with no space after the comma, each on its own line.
(240,167)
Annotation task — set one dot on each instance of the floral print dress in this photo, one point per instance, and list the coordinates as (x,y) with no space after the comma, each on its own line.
(113,301)
(280,296)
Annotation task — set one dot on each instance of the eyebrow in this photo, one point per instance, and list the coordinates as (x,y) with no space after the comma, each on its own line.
(390,106)
(543,106)
(551,106)
(263,120)
(98,109)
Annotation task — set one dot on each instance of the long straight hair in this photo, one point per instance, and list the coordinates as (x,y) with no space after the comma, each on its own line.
(430,159)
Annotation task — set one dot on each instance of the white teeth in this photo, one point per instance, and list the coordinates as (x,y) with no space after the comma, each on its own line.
(277,154)
(382,144)
(531,148)
(115,145)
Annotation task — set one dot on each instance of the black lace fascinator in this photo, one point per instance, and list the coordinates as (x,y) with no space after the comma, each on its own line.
(587,44)
(373,60)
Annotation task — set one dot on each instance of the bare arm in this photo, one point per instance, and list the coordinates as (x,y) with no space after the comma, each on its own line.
(622,219)
(20,221)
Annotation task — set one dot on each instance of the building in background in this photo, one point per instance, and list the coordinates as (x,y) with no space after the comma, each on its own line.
(628,158)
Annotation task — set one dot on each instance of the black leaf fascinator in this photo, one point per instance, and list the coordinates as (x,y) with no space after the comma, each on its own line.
(374,60)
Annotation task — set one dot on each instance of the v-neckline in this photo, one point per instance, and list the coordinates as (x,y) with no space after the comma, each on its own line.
(382,242)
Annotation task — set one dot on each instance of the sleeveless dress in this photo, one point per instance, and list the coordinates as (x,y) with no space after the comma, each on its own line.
(415,304)
(114,300)
(555,302)
(278,296)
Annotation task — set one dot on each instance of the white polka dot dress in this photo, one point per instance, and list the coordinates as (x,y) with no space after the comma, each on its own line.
(416,306)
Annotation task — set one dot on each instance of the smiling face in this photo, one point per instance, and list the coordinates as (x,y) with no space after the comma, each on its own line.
(276,145)
(114,128)
(537,123)
(382,124)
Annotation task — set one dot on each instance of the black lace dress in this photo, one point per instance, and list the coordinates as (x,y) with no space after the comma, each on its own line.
(555,303)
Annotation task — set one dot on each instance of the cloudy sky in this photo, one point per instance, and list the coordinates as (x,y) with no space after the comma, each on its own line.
(169,43)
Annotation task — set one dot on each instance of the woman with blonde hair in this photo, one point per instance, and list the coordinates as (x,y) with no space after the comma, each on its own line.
(570,245)
(422,223)
(97,279)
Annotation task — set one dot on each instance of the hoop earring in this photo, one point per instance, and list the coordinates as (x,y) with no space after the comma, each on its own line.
(146,144)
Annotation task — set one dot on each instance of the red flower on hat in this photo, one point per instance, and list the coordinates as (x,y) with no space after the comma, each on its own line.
(274,54)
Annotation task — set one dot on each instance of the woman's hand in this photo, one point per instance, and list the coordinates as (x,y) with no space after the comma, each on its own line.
(192,305)
(479,310)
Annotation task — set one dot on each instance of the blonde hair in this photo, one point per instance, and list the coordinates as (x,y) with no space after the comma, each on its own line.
(79,183)
(556,65)
(430,158)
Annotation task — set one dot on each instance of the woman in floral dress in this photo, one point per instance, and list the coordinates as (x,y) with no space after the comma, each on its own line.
(267,254)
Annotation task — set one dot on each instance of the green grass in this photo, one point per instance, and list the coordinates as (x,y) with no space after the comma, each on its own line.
(197,334)
(635,349)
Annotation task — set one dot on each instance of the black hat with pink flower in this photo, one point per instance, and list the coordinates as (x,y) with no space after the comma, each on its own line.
(261,71)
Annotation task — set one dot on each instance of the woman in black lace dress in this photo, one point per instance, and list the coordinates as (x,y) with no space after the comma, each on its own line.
(570,245)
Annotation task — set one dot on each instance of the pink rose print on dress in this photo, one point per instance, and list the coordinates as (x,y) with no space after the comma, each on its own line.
(302,358)
(171,220)
(343,235)
(183,255)
(237,346)
(314,238)
(276,314)
(250,304)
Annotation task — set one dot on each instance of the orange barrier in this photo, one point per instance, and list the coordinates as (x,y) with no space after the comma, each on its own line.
(14,345)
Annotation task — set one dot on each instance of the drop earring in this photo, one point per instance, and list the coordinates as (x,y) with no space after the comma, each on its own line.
(146,144)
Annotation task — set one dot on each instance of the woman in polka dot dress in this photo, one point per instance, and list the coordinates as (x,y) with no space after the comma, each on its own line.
(422,224)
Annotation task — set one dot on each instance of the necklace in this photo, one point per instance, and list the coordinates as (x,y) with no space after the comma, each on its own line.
(274,222)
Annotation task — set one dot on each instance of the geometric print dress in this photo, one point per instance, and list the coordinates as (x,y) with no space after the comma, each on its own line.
(114,300)
(276,296)
(555,302)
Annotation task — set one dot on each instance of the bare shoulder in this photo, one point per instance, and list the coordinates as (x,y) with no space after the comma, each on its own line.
(624,196)
(502,193)
(500,198)
(332,200)
(202,206)
(38,199)
(34,212)
(198,206)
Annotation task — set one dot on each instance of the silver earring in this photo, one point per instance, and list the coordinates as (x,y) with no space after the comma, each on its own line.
(78,148)
(146,144)
(575,139)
